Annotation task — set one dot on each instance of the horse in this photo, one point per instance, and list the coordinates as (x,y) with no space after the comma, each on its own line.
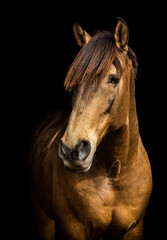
(89,173)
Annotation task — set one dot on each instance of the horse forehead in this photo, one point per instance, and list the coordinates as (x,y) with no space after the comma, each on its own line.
(88,90)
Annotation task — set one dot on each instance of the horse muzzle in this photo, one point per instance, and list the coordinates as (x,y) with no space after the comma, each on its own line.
(77,158)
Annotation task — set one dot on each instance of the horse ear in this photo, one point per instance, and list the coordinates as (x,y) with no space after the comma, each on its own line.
(81,36)
(121,34)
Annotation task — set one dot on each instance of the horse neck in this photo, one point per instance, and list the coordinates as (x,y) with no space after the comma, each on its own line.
(122,144)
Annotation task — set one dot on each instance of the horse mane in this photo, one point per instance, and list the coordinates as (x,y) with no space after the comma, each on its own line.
(133,57)
(94,60)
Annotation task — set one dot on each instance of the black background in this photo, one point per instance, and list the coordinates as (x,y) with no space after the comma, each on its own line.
(39,47)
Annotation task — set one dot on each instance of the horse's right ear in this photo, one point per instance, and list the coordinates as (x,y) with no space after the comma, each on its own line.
(81,36)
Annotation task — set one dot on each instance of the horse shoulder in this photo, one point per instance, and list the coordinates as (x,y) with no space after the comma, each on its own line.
(43,154)
(145,170)
(138,176)
(133,190)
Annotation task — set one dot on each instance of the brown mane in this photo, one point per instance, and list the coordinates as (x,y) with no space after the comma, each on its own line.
(94,59)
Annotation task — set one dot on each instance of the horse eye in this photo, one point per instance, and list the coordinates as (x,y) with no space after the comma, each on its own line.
(114,79)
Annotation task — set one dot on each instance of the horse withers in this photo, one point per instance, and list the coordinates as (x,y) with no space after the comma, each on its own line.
(90,176)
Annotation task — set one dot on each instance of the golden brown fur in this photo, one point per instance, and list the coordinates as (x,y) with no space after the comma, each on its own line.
(105,194)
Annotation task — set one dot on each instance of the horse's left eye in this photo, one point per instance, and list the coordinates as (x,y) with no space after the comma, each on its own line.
(114,79)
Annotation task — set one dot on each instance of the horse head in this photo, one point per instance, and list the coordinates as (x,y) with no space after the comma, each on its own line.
(99,79)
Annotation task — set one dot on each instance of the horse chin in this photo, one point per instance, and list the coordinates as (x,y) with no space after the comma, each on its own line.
(77,166)
(79,170)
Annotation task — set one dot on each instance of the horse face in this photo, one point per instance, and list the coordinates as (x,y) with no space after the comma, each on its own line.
(97,109)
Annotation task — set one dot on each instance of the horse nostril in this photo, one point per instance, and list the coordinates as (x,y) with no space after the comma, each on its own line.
(83,149)
(63,150)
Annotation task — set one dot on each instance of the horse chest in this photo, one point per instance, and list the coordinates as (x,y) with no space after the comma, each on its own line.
(92,200)
(91,206)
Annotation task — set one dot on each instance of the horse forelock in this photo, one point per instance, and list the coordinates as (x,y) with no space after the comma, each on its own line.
(93,60)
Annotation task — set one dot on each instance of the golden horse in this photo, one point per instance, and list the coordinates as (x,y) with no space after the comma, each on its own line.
(90,176)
